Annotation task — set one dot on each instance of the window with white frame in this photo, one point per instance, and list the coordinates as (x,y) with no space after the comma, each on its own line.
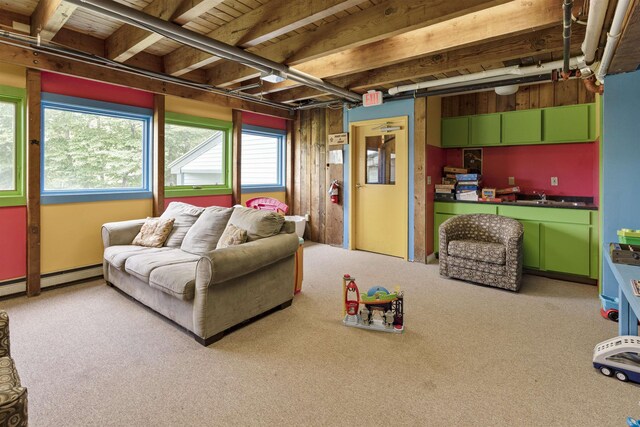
(262,157)
(94,150)
(11,146)
(197,155)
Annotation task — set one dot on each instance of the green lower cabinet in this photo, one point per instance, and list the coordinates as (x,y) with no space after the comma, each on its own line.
(531,243)
(566,248)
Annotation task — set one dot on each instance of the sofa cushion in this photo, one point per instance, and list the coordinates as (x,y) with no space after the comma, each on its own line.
(117,255)
(143,264)
(203,236)
(259,224)
(177,280)
(478,251)
(232,236)
(473,265)
(185,216)
(154,232)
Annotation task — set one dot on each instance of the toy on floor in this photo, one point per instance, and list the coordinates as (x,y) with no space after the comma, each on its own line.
(631,422)
(619,357)
(381,309)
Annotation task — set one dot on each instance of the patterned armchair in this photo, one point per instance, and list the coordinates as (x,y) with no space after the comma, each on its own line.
(482,248)
(13,397)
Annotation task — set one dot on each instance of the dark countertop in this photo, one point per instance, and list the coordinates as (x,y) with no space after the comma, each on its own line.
(528,203)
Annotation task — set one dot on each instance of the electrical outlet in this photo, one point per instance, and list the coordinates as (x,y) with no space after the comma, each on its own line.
(428,180)
(512,180)
(554,180)
(307,217)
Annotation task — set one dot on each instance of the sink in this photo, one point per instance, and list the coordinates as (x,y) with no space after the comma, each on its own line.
(560,203)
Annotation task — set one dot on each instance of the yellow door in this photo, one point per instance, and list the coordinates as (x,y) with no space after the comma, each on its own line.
(379,186)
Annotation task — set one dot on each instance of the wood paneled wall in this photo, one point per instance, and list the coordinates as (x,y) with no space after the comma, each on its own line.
(542,95)
(312,175)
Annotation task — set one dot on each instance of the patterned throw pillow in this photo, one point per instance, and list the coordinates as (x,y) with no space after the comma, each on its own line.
(232,236)
(154,232)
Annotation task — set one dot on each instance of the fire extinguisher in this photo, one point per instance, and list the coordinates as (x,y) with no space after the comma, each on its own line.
(334,191)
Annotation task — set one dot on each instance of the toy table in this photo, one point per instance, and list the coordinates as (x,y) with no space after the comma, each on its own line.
(629,303)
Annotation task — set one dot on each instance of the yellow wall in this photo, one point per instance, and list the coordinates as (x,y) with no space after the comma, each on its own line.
(71,235)
(196,108)
(278,196)
(13,75)
(434,115)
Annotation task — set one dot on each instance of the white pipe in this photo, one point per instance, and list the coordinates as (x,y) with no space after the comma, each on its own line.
(507,73)
(597,13)
(613,37)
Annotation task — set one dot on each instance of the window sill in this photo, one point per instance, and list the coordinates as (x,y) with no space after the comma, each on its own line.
(8,201)
(187,192)
(265,189)
(54,199)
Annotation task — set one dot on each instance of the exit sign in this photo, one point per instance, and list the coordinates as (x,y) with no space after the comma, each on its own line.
(371,98)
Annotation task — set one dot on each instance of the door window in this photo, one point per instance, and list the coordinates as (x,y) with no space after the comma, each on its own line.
(381,159)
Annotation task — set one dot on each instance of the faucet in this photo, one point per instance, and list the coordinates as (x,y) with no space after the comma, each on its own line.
(541,194)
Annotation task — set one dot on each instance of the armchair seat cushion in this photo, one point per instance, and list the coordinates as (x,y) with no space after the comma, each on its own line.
(9,378)
(486,252)
(483,267)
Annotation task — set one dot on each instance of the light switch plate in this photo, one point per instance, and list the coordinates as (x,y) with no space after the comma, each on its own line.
(512,180)
(554,180)
(428,180)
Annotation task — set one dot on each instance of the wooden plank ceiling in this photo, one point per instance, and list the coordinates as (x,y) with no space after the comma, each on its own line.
(355,44)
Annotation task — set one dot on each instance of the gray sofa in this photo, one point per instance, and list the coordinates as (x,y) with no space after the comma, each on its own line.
(482,248)
(206,290)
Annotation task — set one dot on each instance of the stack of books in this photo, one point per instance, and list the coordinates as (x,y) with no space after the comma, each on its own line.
(446,190)
(468,187)
(508,194)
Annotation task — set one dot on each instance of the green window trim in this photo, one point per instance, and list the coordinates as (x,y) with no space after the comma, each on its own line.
(16,96)
(208,123)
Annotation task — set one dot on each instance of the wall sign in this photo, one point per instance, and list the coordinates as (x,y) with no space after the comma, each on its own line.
(338,138)
(371,98)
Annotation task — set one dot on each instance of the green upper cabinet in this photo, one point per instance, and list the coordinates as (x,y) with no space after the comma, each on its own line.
(568,124)
(522,127)
(485,129)
(455,131)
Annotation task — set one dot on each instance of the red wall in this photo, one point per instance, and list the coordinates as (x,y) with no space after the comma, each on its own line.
(435,161)
(264,121)
(13,246)
(202,201)
(82,88)
(575,165)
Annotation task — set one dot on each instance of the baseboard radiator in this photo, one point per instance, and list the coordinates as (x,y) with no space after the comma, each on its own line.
(19,286)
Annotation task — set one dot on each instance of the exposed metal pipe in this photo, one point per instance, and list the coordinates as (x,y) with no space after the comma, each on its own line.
(597,14)
(182,35)
(566,37)
(28,42)
(496,75)
(613,37)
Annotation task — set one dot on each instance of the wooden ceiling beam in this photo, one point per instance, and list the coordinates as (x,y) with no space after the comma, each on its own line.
(49,16)
(627,55)
(266,22)
(45,61)
(509,48)
(192,9)
(387,19)
(11,21)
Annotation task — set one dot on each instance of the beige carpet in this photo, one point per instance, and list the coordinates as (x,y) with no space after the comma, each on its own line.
(470,355)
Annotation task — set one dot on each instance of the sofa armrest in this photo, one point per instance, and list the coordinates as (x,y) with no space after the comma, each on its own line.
(121,232)
(235,261)
(5,348)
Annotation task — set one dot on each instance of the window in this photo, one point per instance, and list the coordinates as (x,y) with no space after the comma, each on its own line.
(11,146)
(197,156)
(627,358)
(263,152)
(94,150)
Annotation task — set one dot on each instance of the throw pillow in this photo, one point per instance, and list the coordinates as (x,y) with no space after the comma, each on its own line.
(186,215)
(259,224)
(204,235)
(232,236)
(154,232)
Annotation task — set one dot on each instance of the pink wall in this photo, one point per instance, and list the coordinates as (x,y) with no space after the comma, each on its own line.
(575,165)
(435,161)
(264,121)
(82,88)
(13,245)
(203,201)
